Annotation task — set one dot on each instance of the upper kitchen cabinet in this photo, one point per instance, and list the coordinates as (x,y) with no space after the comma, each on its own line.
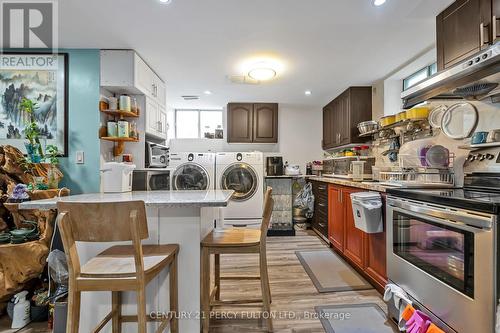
(464,28)
(265,123)
(496,21)
(252,123)
(342,115)
(123,71)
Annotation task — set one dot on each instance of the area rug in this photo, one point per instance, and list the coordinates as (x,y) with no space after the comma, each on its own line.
(330,273)
(358,318)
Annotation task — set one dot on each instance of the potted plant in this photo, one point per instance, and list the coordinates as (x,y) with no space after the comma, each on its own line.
(32,132)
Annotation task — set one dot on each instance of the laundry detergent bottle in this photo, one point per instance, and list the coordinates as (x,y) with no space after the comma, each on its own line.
(21,313)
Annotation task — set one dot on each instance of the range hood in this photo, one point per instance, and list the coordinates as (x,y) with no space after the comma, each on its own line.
(482,68)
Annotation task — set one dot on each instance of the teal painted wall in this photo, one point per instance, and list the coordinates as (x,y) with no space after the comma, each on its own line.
(83,124)
(83,120)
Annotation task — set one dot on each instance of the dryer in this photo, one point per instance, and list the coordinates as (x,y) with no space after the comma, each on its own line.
(243,173)
(192,171)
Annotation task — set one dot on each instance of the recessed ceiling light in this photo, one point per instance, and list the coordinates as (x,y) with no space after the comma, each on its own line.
(378,2)
(207,92)
(262,73)
(308,92)
(166,1)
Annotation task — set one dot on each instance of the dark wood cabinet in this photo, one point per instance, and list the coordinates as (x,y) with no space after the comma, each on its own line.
(495,21)
(365,252)
(462,29)
(265,123)
(252,122)
(319,221)
(342,115)
(336,217)
(239,122)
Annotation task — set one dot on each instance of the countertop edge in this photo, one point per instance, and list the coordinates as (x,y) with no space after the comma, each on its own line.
(349,183)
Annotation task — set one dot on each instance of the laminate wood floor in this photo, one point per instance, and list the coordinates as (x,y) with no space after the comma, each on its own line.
(293,293)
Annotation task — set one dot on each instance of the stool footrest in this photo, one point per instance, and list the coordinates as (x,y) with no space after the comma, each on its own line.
(240,277)
(235,302)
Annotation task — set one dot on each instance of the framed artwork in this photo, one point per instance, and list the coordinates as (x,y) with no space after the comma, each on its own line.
(42,78)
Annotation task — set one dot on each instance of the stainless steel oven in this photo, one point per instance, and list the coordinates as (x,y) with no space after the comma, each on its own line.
(445,258)
(151,180)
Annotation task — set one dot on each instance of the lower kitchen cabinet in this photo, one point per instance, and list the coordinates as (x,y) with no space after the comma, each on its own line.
(320,218)
(365,252)
(336,217)
(354,238)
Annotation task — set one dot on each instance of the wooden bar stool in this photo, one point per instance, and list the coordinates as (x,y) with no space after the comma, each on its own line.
(236,241)
(119,268)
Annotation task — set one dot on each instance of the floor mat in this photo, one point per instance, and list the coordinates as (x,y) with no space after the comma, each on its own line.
(357,318)
(331,273)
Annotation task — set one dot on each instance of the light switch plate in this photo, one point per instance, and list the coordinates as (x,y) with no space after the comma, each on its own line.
(80,157)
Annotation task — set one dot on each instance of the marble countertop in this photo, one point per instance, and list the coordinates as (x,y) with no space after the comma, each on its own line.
(371,186)
(155,199)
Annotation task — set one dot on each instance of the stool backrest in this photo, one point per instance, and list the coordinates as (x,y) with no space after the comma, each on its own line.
(102,222)
(106,221)
(266,214)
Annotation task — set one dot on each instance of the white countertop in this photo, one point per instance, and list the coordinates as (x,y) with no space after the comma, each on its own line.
(371,186)
(158,199)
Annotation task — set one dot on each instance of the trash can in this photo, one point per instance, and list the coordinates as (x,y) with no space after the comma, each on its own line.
(367,211)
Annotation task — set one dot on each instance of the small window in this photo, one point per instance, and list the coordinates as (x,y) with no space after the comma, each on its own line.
(197,124)
(419,76)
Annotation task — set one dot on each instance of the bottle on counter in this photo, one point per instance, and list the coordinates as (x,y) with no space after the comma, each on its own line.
(309,168)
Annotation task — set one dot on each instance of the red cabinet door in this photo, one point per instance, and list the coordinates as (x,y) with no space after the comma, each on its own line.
(354,238)
(336,217)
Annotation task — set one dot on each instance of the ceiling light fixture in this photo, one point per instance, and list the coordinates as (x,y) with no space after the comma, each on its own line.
(207,92)
(378,2)
(308,93)
(262,73)
(166,1)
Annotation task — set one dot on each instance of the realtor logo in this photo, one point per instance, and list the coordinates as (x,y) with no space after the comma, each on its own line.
(28,24)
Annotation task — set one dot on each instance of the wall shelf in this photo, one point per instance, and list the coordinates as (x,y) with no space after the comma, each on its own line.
(120,113)
(120,143)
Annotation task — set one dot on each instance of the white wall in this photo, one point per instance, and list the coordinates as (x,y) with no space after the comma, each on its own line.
(299,137)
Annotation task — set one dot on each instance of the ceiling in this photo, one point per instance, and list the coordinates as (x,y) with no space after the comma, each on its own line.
(194,45)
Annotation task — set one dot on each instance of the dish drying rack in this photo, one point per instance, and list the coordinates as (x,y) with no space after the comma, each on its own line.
(411,173)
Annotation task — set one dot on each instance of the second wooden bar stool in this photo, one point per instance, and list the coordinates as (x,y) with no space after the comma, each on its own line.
(234,241)
(119,268)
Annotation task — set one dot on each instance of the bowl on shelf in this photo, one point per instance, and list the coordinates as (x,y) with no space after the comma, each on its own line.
(367,126)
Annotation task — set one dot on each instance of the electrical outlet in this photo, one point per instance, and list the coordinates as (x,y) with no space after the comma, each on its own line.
(80,157)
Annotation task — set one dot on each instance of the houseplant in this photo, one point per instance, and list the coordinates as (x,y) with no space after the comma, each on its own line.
(32,132)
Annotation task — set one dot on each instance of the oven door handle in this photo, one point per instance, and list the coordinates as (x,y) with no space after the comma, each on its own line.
(437,220)
(474,220)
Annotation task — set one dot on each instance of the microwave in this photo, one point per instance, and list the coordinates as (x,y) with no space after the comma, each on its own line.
(151,180)
(157,156)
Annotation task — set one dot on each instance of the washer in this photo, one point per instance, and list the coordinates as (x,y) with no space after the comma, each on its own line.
(192,171)
(243,173)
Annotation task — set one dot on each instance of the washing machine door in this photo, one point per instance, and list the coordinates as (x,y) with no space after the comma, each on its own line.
(190,176)
(241,178)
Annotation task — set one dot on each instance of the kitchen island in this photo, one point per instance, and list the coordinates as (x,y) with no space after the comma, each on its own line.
(181,217)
